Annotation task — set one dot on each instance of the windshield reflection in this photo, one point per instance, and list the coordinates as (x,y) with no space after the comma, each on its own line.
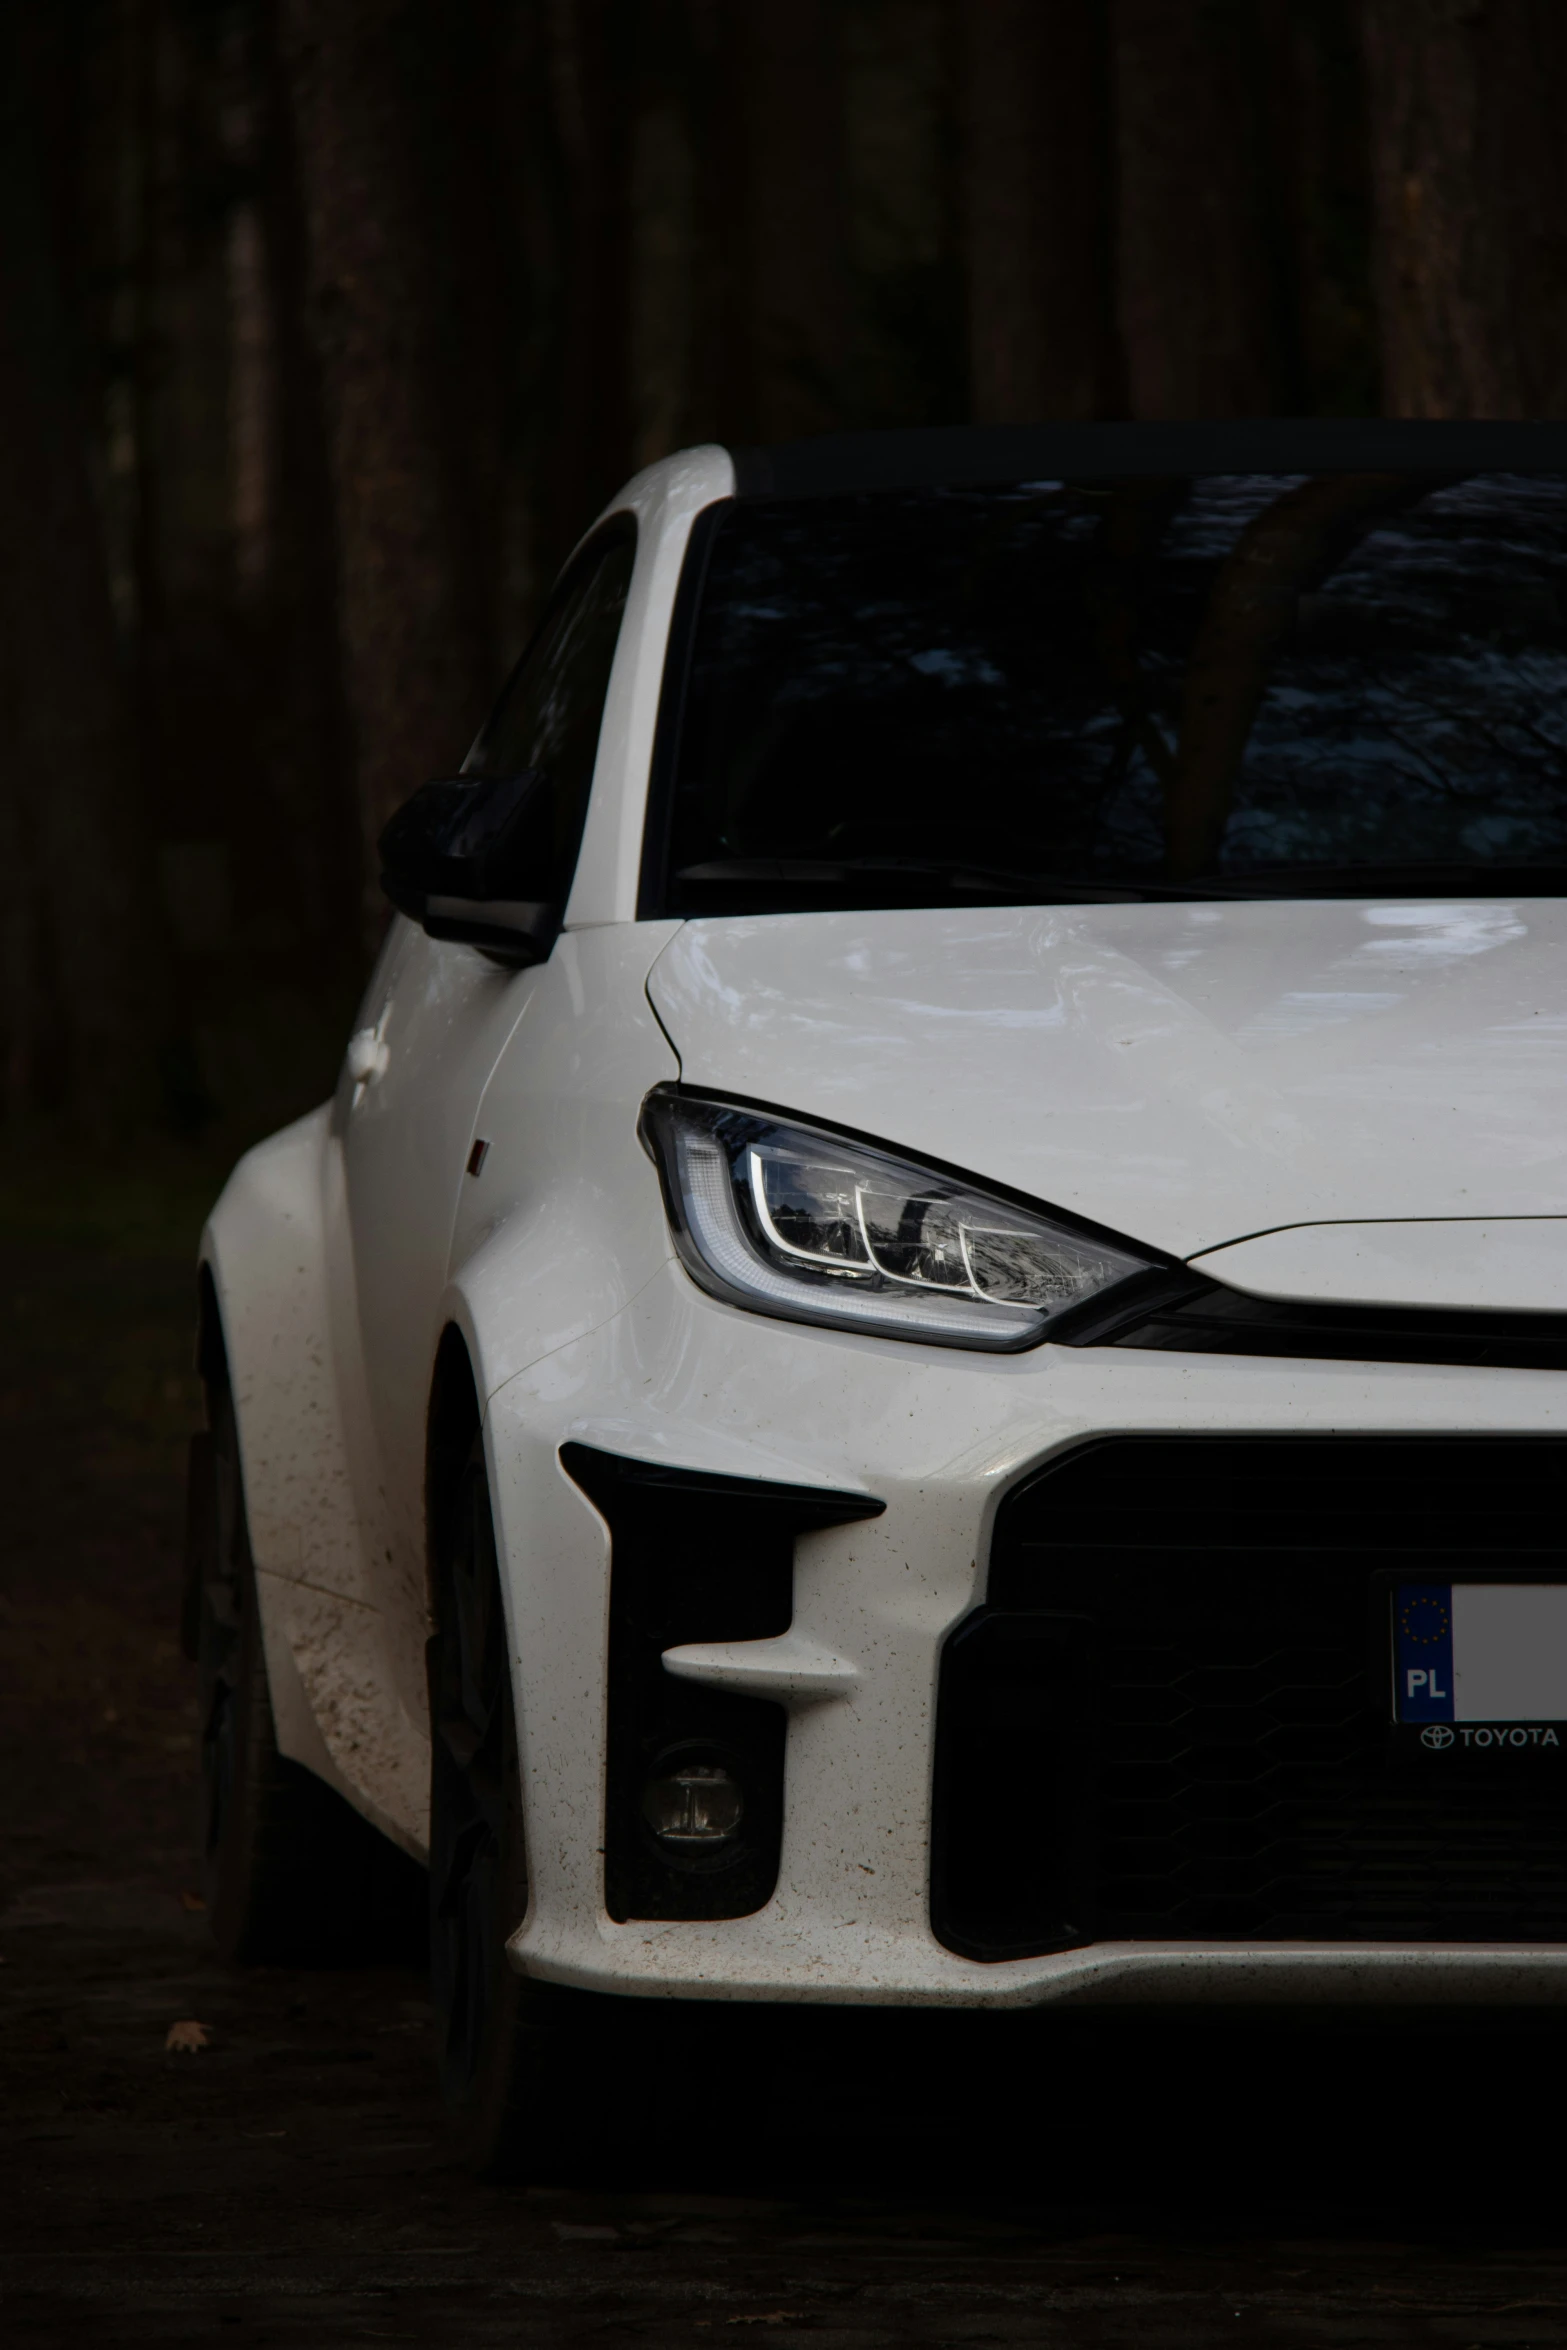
(1340,683)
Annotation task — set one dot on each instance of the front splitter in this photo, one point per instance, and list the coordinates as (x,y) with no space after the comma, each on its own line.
(849,1966)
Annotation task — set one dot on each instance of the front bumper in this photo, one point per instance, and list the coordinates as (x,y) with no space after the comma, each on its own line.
(939,1437)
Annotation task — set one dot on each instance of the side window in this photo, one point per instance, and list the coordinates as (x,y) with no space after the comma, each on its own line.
(553,704)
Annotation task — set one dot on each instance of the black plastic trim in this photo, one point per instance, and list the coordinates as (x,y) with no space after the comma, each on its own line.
(1199,1316)
(694,1556)
(600,1474)
(963,455)
(1028,1899)
(1169,1717)
(653,879)
(1100,1321)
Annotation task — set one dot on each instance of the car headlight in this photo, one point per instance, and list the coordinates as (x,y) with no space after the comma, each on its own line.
(797,1220)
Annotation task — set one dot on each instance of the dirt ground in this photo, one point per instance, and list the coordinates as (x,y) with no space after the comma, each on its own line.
(865,2179)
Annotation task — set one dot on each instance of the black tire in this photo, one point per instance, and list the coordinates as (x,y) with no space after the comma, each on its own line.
(522,2063)
(292,1873)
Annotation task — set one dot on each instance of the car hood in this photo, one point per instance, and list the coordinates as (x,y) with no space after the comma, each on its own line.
(1186,1073)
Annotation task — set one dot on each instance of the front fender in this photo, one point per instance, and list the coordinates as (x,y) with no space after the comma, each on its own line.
(334,1696)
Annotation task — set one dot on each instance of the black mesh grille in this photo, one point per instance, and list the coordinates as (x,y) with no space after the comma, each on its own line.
(1171,1718)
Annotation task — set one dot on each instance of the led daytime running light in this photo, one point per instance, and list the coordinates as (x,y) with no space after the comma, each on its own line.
(795,1221)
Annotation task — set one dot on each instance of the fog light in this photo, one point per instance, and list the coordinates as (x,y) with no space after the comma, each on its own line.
(694,1808)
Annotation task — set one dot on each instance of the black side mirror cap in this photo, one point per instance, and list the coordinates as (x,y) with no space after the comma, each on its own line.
(470,857)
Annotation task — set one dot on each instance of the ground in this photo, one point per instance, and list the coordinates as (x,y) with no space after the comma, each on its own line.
(864,2179)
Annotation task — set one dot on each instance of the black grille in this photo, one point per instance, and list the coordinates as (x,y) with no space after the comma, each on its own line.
(1180,1313)
(1170,1720)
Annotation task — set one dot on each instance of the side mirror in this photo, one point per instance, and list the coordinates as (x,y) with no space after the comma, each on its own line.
(471,857)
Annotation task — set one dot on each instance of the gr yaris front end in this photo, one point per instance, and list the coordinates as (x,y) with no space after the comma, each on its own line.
(1000,1607)
(950,1277)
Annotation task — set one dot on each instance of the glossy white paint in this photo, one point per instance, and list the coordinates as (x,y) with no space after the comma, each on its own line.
(439,1016)
(1516,1267)
(791,1668)
(565,1224)
(552,1239)
(380,1209)
(335,1689)
(1320,1100)
(938,1436)
(1187,1074)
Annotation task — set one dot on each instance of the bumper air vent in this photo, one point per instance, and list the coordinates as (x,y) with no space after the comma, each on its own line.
(1170,1718)
(694,1811)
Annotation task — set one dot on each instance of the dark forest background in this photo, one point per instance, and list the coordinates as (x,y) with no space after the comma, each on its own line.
(326,325)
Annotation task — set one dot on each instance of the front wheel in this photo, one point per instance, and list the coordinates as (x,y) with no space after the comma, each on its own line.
(520,2067)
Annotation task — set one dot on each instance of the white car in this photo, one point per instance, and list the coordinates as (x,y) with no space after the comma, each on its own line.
(921,1357)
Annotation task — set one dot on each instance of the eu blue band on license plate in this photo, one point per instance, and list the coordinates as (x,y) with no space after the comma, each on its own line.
(1480,1652)
(1423,1652)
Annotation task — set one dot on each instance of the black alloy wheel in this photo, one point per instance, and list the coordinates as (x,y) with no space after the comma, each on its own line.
(517,2072)
(292,1873)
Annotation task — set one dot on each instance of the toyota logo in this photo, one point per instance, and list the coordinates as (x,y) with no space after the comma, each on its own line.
(1438,1734)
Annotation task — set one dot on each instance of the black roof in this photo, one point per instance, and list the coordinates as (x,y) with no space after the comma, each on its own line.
(952,455)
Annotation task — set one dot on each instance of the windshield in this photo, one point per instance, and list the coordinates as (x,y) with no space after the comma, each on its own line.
(1233,685)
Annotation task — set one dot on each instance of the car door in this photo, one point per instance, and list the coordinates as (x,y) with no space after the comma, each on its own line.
(432,1026)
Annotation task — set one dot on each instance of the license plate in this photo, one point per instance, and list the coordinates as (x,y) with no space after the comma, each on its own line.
(1481,1665)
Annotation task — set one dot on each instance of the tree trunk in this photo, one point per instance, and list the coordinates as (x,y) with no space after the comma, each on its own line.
(413,601)
(1286,550)
(1037,178)
(591,72)
(517,240)
(304,743)
(1316,137)
(67,767)
(773,336)
(1470,181)
(798,244)
(722,396)
(661,234)
(1197,282)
